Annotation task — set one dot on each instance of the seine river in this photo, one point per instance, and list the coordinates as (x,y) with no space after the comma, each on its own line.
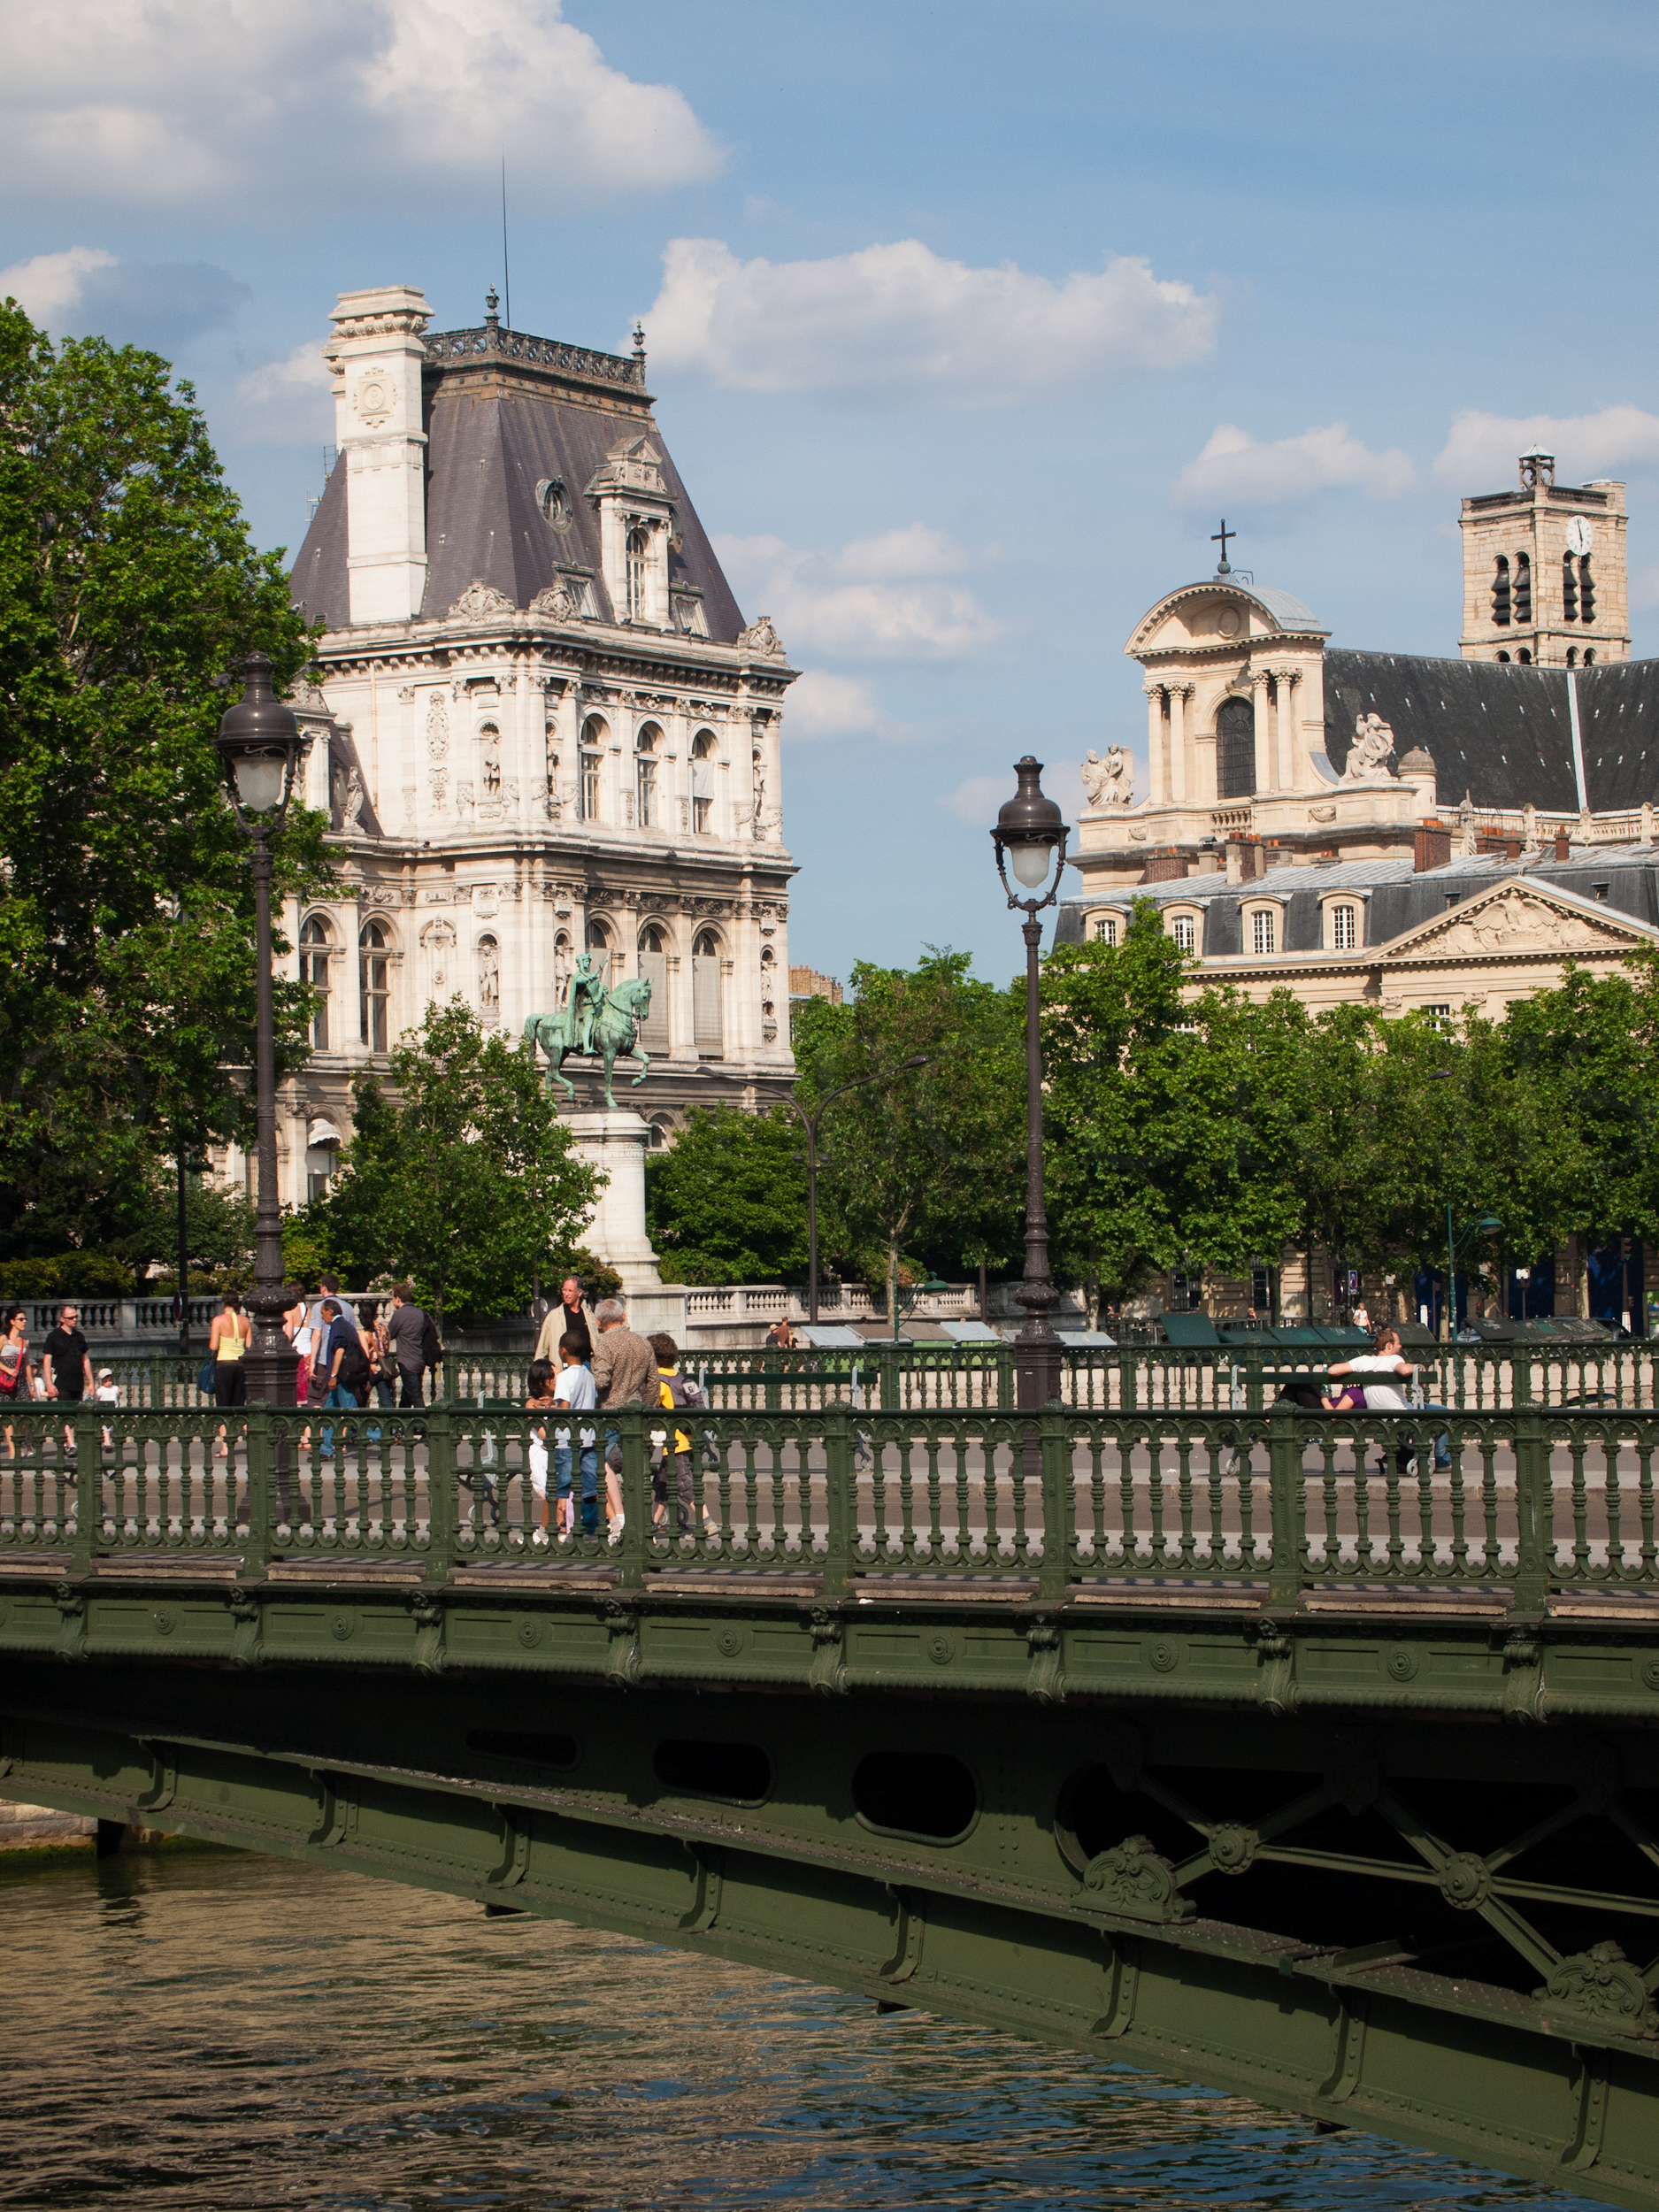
(214,2031)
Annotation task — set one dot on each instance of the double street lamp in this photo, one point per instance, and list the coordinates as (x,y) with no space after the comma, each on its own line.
(1030,837)
(258,746)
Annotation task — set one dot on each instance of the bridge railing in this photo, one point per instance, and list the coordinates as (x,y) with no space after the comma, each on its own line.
(1272,1508)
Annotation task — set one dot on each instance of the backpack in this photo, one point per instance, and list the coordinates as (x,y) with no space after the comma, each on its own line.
(353,1366)
(430,1350)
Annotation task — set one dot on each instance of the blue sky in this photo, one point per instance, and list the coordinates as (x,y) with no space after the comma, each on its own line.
(966,323)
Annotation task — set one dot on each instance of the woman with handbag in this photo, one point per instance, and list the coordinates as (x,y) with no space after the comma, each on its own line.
(17,1371)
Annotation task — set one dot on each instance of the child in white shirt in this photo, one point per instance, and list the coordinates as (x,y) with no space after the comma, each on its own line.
(578,1391)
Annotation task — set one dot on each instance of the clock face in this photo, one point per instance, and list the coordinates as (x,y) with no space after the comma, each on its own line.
(1580,537)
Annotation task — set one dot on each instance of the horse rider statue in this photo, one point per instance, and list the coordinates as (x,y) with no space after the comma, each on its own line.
(595,1023)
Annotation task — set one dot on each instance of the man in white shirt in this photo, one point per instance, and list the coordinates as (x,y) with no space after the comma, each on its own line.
(1384,1374)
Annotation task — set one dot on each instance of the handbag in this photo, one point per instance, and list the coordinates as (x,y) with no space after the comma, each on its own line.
(206,1377)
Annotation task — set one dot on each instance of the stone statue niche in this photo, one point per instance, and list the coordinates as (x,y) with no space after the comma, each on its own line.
(1110,781)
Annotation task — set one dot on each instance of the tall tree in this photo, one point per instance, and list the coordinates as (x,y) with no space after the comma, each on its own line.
(463,1177)
(127,585)
(725,1202)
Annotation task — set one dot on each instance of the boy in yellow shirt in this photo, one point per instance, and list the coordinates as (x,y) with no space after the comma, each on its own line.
(674,1392)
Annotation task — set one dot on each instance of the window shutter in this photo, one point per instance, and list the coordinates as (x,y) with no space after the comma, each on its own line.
(707,1031)
(654,1033)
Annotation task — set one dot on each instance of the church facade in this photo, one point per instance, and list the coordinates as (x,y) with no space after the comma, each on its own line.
(542,728)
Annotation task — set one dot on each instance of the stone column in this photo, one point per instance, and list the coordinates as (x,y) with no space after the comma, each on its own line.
(1179,695)
(1157,764)
(1263,731)
(1287,679)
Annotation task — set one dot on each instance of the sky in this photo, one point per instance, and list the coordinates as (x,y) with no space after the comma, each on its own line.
(967,324)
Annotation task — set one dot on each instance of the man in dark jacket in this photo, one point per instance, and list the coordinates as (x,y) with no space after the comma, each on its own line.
(406,1325)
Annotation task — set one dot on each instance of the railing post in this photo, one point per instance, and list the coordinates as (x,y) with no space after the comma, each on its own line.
(1058,1498)
(1128,1378)
(261,1461)
(441,1498)
(1534,1554)
(1004,1377)
(840,1502)
(89,1486)
(1283,1462)
(631,1422)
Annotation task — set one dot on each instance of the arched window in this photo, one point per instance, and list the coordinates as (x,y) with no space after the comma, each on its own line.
(662,1133)
(1344,928)
(596,731)
(1264,935)
(314,938)
(1105,929)
(708,1027)
(1525,657)
(1589,656)
(374,984)
(646,812)
(1587,591)
(1184,930)
(638,549)
(1569,588)
(654,1033)
(1500,592)
(1503,656)
(1572,657)
(705,751)
(1523,587)
(1235,750)
(601,946)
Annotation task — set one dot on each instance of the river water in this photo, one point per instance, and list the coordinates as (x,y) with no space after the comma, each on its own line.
(215,2031)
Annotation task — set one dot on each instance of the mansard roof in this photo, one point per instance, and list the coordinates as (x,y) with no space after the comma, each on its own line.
(513,445)
(1503,734)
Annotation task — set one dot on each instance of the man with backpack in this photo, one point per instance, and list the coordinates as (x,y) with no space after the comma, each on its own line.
(351,1369)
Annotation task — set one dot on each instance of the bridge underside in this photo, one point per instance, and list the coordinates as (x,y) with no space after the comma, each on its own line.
(1438,1928)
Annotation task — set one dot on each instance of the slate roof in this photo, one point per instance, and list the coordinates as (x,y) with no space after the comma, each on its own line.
(1285,607)
(491,440)
(1401,898)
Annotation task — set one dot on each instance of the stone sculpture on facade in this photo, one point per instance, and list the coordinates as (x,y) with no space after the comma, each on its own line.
(761,638)
(479,601)
(489,980)
(1109,782)
(1373,742)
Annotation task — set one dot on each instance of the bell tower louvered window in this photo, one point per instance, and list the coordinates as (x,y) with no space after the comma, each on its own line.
(1523,587)
(1587,591)
(1569,588)
(1500,592)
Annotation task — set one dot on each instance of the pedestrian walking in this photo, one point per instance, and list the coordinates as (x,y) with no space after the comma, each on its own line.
(567,1319)
(780,1336)
(66,1366)
(625,1373)
(228,1339)
(406,1326)
(674,1392)
(17,1369)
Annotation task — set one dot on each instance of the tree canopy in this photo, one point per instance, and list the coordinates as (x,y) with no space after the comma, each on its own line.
(128,585)
(461,1176)
(726,1201)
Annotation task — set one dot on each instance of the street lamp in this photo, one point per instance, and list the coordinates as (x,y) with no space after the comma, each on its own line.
(258,746)
(1485,1226)
(811,1123)
(1029,836)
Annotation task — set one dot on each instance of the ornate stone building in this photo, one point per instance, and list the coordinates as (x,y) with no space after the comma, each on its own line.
(543,727)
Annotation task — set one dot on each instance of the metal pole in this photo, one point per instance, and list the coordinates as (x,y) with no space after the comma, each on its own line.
(184,1262)
(1036,1347)
(271,1357)
(1451,1279)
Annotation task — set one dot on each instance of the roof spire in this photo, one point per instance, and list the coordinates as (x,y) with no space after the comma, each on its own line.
(1223,567)
(492,301)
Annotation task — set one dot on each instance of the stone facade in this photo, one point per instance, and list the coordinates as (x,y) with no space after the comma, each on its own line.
(543,726)
(1544,577)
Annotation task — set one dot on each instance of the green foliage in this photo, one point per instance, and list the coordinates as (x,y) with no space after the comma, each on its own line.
(218,1221)
(726,1201)
(67,1275)
(460,1177)
(127,584)
(924,1160)
(598,1279)
(306,1254)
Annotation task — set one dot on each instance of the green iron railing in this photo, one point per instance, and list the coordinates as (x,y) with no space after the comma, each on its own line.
(1527,1501)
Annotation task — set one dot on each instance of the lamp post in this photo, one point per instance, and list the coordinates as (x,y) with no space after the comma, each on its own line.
(810,1123)
(1029,834)
(258,746)
(1485,1226)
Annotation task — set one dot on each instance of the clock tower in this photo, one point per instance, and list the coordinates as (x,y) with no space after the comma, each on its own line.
(1544,581)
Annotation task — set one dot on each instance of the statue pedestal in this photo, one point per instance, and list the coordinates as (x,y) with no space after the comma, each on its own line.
(615,1144)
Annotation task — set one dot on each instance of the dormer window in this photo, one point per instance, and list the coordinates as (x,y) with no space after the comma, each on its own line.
(1105,929)
(1342,927)
(689,618)
(1184,932)
(639,552)
(1264,931)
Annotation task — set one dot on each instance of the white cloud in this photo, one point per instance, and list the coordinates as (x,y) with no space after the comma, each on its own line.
(238,106)
(977,800)
(818,704)
(1278,472)
(158,304)
(1481,449)
(49,288)
(284,402)
(897,322)
(889,608)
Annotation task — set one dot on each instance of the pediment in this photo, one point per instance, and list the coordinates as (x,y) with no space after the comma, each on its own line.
(1513,918)
(1210,617)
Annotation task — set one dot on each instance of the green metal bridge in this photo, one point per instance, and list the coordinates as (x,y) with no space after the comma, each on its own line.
(1259,1749)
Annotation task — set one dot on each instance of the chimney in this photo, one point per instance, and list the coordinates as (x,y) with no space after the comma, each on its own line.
(1431,847)
(1564,845)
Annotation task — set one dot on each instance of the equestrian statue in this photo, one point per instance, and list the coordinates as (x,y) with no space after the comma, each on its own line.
(596,1023)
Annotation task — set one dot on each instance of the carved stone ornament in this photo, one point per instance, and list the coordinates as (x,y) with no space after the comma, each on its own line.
(1601,1981)
(1109,782)
(555,604)
(1367,756)
(762,639)
(1133,1877)
(437,725)
(1518,921)
(376,396)
(1322,813)
(479,601)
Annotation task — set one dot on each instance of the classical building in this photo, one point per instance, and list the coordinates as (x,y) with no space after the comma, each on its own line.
(1417,833)
(542,729)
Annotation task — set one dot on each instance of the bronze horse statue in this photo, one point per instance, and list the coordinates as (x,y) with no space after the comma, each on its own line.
(615,1034)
